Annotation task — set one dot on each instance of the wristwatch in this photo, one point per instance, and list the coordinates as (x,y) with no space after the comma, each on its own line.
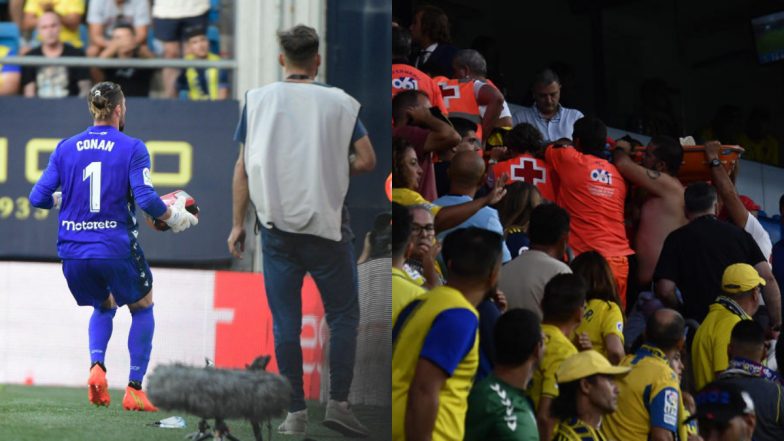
(715,162)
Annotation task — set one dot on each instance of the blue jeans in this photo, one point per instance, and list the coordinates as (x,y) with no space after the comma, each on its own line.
(286,259)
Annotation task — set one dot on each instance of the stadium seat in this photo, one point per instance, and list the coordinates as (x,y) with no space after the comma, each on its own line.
(84,36)
(772,225)
(213,35)
(9,35)
(214,13)
(156,46)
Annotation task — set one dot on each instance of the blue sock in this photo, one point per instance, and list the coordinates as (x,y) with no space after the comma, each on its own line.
(100,332)
(140,342)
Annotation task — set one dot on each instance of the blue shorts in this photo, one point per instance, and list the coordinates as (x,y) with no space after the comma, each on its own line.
(173,29)
(92,280)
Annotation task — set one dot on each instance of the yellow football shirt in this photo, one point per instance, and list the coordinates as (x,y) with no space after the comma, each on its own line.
(408,198)
(709,348)
(404,289)
(576,430)
(649,396)
(61,7)
(557,349)
(600,319)
(408,343)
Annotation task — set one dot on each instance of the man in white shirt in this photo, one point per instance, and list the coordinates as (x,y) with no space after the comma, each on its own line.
(547,114)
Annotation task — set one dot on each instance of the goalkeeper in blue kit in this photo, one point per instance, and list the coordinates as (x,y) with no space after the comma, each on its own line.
(102,174)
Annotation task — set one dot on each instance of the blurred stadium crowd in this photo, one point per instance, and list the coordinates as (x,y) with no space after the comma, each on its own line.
(114,29)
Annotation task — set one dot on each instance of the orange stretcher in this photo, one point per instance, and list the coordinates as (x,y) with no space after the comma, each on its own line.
(695,166)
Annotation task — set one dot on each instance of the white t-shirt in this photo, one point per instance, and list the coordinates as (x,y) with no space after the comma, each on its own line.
(504,110)
(757,231)
(179,8)
(296,156)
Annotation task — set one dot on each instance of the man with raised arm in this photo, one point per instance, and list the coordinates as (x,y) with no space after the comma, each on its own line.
(662,211)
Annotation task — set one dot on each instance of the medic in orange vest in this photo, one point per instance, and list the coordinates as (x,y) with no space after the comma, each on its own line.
(405,77)
(525,140)
(471,96)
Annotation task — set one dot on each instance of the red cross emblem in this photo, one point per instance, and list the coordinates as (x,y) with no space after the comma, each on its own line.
(528,171)
(449,92)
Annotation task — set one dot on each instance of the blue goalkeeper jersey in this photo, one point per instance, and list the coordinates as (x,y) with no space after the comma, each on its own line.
(102,173)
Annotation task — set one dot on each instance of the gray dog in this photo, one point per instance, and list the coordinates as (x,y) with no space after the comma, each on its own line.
(207,392)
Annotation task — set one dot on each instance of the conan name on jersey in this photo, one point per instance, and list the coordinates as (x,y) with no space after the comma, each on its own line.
(94,144)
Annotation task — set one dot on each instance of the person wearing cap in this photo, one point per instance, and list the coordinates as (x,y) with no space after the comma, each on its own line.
(746,352)
(587,392)
(649,397)
(202,84)
(741,210)
(498,407)
(741,285)
(563,304)
(725,412)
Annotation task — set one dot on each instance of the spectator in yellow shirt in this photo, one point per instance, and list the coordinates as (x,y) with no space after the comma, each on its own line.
(70,12)
(602,319)
(562,308)
(742,287)
(688,430)
(404,288)
(435,342)
(649,399)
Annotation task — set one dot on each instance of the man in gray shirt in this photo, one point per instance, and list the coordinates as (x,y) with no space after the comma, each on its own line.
(523,279)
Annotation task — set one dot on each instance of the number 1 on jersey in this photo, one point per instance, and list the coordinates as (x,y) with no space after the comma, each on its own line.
(93,172)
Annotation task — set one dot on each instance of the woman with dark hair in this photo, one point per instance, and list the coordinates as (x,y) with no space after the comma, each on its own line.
(602,320)
(514,210)
(372,375)
(406,174)
(378,241)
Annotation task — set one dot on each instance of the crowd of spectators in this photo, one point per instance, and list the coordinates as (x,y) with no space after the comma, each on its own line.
(112,29)
(550,282)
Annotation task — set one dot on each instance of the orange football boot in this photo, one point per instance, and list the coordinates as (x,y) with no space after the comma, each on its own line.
(137,400)
(98,389)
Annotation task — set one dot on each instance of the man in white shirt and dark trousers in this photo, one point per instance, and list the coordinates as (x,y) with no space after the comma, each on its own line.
(301,140)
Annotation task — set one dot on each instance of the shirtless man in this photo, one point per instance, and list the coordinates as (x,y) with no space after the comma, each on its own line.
(662,212)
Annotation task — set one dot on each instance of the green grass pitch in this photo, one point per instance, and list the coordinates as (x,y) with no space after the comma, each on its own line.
(40,413)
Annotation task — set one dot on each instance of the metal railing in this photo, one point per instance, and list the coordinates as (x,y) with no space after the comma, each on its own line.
(138,63)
